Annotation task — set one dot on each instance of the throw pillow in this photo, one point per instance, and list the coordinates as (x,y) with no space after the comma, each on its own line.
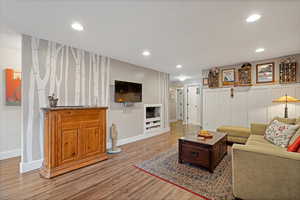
(295,136)
(295,146)
(280,133)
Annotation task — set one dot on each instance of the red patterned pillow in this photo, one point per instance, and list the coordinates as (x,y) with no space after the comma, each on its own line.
(280,133)
(295,147)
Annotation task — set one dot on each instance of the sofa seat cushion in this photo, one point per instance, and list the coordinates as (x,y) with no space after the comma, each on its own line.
(235,139)
(259,140)
(235,131)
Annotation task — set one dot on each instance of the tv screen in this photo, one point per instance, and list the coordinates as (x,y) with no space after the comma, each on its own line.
(128,92)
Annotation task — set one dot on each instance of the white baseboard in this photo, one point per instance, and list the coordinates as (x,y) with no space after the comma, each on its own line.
(36,164)
(138,137)
(199,124)
(10,154)
(172,120)
(28,166)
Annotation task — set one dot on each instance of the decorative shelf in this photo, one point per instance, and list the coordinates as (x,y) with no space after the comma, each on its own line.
(288,71)
(152,118)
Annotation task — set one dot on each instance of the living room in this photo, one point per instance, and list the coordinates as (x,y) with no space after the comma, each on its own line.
(149,100)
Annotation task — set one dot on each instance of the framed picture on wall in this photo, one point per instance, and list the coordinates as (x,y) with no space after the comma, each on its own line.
(265,73)
(205,81)
(13,87)
(228,76)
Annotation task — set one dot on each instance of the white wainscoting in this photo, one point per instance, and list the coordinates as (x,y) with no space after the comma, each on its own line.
(249,105)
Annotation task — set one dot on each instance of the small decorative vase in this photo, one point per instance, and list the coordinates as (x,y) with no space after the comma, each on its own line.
(52,101)
(114,137)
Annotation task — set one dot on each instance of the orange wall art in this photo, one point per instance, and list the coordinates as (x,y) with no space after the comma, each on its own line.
(13,87)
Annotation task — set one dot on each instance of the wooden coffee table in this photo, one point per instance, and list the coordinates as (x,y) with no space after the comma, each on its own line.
(205,153)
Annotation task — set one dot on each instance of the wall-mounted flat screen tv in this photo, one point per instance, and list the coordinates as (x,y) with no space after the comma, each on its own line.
(128,92)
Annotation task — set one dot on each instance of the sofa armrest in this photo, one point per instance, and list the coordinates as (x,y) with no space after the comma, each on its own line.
(264,173)
(258,129)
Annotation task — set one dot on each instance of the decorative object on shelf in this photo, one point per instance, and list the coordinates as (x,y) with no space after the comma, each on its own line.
(52,101)
(13,87)
(288,70)
(228,76)
(213,78)
(244,75)
(205,81)
(114,138)
(265,73)
(286,99)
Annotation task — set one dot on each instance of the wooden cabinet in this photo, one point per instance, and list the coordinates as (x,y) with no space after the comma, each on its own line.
(73,138)
(207,153)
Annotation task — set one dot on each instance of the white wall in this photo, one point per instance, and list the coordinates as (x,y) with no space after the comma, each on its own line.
(10,116)
(249,105)
(172,104)
(130,120)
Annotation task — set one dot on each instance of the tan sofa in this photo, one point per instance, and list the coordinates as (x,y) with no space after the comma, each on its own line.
(236,134)
(263,171)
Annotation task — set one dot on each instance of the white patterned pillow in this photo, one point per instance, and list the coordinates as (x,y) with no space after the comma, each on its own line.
(280,133)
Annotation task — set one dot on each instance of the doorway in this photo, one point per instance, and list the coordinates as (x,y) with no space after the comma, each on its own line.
(179,104)
(194,105)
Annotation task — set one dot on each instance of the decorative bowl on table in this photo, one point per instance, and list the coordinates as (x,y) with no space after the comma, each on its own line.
(205,134)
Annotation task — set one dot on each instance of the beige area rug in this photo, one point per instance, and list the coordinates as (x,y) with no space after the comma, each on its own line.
(197,180)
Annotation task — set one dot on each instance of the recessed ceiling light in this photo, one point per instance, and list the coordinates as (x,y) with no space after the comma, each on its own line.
(77,26)
(183,78)
(146,53)
(259,50)
(178,66)
(253,18)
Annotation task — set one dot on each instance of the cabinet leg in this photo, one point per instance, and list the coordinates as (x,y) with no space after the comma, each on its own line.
(179,160)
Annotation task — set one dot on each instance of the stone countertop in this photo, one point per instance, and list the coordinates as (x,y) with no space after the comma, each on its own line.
(73,108)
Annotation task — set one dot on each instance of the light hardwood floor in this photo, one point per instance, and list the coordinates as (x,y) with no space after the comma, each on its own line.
(114,179)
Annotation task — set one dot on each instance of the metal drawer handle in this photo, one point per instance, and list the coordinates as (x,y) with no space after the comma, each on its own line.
(195,154)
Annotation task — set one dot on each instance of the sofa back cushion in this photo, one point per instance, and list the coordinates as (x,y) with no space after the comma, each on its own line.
(298,121)
(285,120)
(280,133)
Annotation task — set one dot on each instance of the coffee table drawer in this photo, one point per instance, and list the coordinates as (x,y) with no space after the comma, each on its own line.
(195,155)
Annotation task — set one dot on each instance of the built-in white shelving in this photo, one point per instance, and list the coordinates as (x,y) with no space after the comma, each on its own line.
(152,118)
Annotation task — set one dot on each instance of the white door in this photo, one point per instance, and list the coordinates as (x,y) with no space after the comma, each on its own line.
(194,105)
(179,104)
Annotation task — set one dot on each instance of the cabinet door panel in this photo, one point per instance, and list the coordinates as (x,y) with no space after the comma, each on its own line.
(92,140)
(69,145)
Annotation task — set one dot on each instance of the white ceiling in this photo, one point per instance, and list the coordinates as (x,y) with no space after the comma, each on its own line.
(196,34)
